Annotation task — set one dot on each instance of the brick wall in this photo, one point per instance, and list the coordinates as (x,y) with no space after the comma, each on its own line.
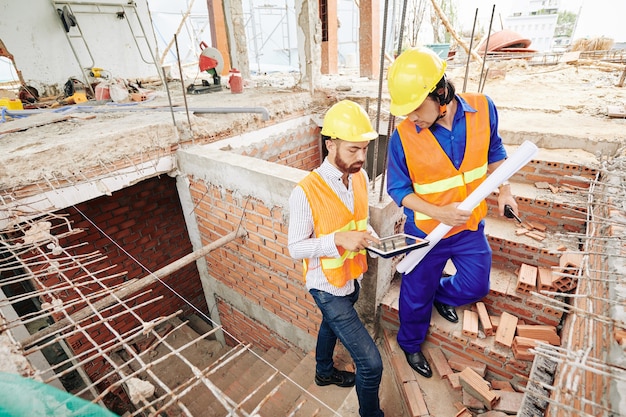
(500,361)
(258,267)
(297,148)
(241,328)
(146,220)
(555,173)
(582,333)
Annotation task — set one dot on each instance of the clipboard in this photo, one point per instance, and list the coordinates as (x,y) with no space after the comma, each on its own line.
(397,244)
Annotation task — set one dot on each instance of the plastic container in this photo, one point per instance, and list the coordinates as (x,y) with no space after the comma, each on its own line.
(11,103)
(441,49)
(102,92)
(235,81)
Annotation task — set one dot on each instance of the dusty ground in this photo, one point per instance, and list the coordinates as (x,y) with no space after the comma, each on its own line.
(561,106)
(557,102)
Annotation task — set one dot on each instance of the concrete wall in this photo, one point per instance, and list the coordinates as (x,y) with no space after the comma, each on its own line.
(33,33)
(253,283)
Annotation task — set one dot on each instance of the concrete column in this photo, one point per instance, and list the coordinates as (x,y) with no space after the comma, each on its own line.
(209,285)
(369,35)
(387,219)
(236,31)
(309,32)
(329,36)
(219,31)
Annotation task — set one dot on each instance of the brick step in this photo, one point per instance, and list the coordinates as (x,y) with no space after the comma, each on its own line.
(247,377)
(557,167)
(308,403)
(285,397)
(275,361)
(233,372)
(199,399)
(555,212)
(503,297)
(510,251)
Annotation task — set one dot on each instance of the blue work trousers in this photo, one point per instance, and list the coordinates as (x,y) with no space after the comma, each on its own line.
(341,321)
(471,255)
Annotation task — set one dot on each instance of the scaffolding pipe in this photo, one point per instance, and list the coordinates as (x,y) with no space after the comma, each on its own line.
(132,288)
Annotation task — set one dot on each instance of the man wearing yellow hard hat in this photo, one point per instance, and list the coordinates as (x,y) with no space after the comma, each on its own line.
(329,230)
(443,149)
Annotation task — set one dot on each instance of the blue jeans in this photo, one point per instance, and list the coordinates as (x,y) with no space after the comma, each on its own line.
(341,321)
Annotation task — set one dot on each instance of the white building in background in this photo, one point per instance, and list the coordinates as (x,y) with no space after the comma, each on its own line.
(535,20)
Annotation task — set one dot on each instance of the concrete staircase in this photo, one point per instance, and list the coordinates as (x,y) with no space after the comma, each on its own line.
(561,208)
(260,383)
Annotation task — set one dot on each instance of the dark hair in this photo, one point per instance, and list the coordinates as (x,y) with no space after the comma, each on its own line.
(444,91)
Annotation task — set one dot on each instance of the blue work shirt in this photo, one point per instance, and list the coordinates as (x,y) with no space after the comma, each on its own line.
(399,183)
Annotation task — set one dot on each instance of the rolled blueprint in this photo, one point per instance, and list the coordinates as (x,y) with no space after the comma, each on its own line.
(505,171)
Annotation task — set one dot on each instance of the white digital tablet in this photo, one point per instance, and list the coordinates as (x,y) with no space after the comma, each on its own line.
(397,244)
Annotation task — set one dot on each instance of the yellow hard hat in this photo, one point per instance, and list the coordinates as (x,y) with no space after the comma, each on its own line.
(346,120)
(411,77)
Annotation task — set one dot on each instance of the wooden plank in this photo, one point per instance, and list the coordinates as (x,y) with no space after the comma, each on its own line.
(506,329)
(483,316)
(32,121)
(470,323)
(478,388)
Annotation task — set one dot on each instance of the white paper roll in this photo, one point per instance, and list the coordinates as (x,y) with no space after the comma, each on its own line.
(505,171)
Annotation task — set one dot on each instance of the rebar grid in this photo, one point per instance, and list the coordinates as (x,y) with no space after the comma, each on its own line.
(581,366)
(33,256)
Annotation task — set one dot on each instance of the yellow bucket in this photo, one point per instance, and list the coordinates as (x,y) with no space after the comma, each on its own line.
(11,103)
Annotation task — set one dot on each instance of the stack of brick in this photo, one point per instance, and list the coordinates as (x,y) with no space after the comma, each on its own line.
(528,336)
(569,266)
(536,231)
(469,376)
(563,279)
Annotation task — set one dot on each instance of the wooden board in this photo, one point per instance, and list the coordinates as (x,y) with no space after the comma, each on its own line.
(35,120)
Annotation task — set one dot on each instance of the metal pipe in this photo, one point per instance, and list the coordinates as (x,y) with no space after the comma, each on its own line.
(105,109)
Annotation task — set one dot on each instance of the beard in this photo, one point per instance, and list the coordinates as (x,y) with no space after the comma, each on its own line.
(347,169)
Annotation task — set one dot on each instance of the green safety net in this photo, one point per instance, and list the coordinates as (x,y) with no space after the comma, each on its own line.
(25,397)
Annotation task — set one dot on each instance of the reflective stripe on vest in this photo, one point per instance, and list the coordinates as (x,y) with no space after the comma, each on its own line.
(330,215)
(434,177)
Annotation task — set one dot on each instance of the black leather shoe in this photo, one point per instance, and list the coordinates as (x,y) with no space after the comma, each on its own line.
(419,363)
(447,312)
(339,378)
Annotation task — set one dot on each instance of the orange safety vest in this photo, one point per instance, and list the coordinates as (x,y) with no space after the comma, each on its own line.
(435,179)
(330,215)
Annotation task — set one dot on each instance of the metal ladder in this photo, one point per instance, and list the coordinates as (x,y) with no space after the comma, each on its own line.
(123,10)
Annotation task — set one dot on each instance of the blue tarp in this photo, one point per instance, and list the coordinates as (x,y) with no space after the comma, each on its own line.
(25,397)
